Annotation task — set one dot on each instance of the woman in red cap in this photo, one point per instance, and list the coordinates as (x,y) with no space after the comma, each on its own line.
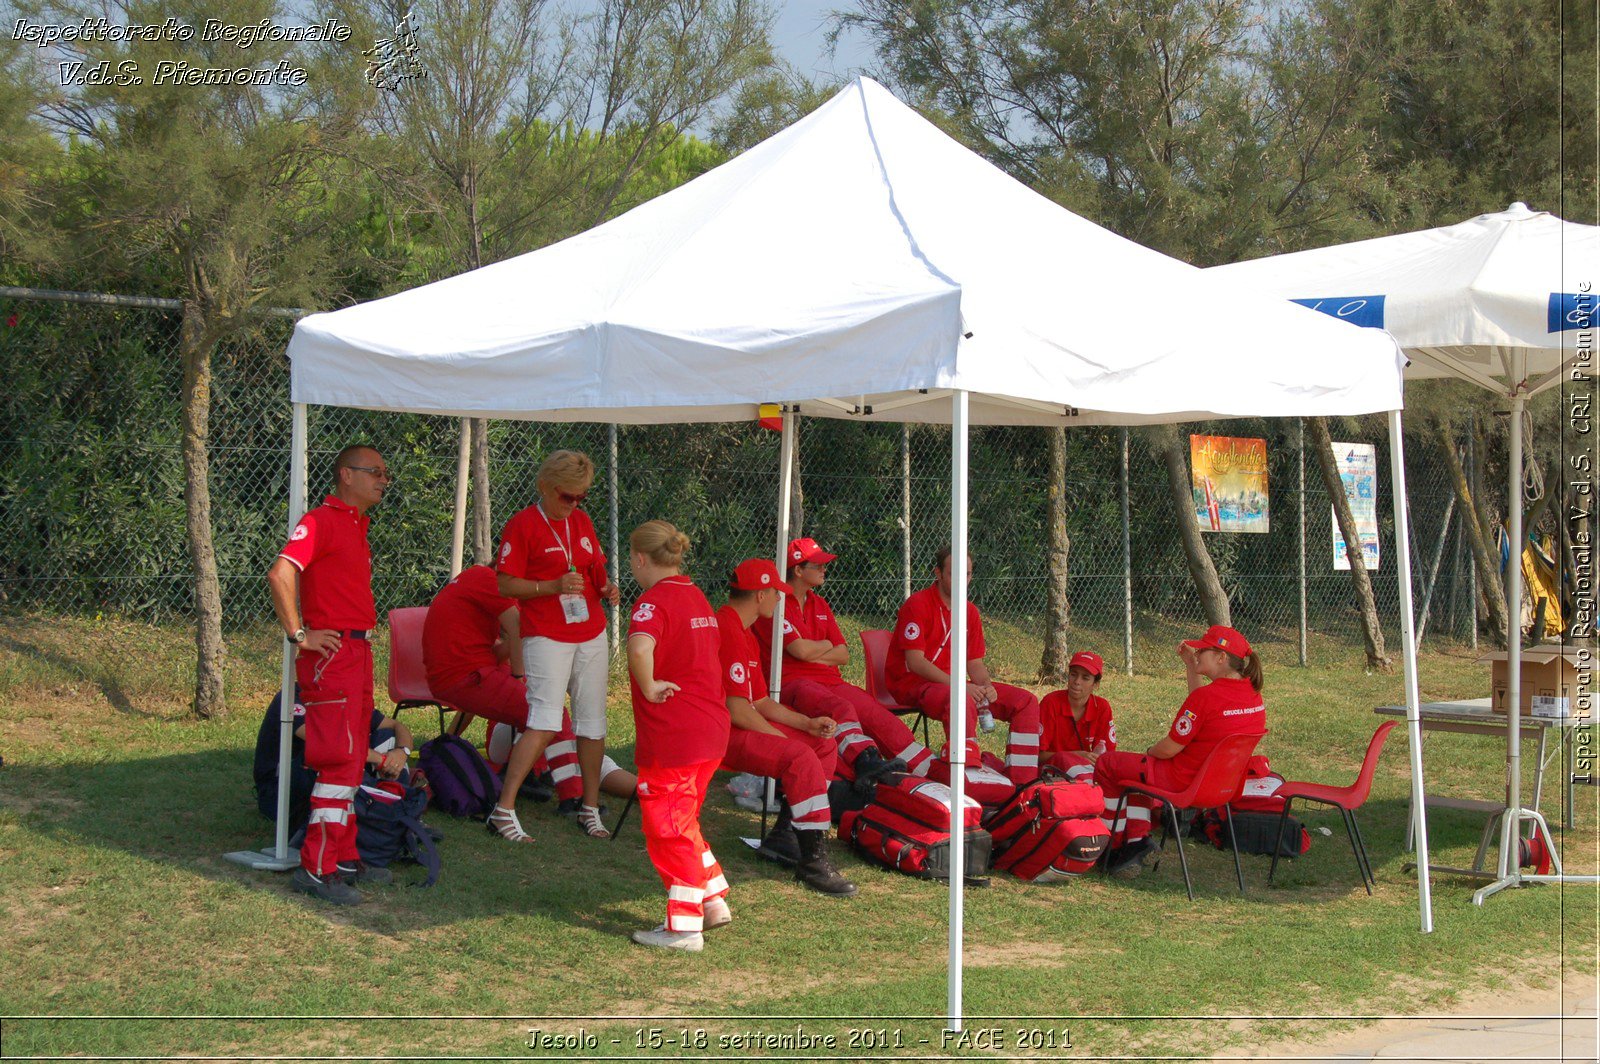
(675,673)
(1225,682)
(1076,721)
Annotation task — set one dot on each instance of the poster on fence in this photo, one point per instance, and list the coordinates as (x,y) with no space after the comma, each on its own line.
(1229,474)
(1358,468)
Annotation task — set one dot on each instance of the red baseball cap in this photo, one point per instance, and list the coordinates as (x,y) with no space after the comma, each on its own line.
(755,574)
(1221,638)
(1088,661)
(806,550)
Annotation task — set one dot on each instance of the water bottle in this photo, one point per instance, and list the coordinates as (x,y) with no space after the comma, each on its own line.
(985,719)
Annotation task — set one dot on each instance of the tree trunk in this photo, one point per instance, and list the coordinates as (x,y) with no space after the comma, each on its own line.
(1366,602)
(1201,569)
(1057,608)
(195,345)
(482,517)
(797,501)
(1494,593)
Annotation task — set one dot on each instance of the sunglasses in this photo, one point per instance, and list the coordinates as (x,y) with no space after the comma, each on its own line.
(376,471)
(570,499)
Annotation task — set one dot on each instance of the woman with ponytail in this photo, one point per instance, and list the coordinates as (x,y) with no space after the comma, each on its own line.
(675,675)
(1225,681)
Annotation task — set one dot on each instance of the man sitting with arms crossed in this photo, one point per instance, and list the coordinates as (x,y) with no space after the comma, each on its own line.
(770,739)
(813,648)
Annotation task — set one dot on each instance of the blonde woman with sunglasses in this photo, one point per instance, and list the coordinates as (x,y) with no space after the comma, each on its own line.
(550,561)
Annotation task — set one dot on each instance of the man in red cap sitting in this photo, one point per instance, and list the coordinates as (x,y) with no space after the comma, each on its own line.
(918,672)
(770,739)
(814,648)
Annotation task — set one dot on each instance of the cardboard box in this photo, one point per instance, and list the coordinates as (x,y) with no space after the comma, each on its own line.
(1549,673)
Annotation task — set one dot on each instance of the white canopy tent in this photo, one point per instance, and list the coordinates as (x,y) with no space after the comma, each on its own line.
(1504,300)
(859,264)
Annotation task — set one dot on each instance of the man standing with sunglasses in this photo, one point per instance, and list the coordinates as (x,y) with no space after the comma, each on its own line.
(321,584)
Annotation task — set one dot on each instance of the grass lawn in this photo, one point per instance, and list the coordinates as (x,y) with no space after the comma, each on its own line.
(115,810)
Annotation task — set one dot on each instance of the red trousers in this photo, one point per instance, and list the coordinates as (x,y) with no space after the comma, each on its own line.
(337,693)
(1014,705)
(1114,769)
(669,806)
(500,697)
(862,720)
(802,763)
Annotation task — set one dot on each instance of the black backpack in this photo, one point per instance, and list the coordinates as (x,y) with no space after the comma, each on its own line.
(389,826)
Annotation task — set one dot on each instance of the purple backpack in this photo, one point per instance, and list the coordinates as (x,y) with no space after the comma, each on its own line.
(463,783)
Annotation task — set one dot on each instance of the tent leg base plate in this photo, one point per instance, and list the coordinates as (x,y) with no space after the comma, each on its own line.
(266,860)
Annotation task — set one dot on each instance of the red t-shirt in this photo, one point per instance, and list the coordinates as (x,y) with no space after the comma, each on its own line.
(692,725)
(329,547)
(814,620)
(742,674)
(535,548)
(924,624)
(1221,708)
(463,623)
(1062,732)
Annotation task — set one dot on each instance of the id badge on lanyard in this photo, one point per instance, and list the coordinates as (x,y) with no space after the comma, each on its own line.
(574,608)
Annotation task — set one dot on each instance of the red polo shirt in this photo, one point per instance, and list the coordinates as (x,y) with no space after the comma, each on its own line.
(329,547)
(692,725)
(924,624)
(533,547)
(1220,708)
(742,674)
(814,620)
(463,623)
(1062,732)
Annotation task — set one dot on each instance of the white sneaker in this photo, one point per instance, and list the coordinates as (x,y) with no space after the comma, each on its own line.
(661,938)
(717,914)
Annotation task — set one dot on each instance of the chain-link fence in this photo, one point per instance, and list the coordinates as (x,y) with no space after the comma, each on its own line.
(93,510)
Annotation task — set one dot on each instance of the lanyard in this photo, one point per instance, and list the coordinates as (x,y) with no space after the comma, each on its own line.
(944,616)
(566,547)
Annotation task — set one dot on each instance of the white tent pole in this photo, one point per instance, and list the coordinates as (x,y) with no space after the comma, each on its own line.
(785,492)
(1127,565)
(1408,636)
(297,509)
(905,511)
(958,693)
(458,528)
(1511,825)
(616,557)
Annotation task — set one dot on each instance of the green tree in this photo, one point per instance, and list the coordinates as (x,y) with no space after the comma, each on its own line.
(213,187)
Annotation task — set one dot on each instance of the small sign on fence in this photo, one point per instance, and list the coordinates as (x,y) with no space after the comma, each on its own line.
(1358,468)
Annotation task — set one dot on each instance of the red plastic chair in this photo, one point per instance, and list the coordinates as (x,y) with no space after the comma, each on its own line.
(408,679)
(875,651)
(1346,799)
(1218,782)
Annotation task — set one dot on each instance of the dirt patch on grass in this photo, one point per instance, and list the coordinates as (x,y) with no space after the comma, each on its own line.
(1026,953)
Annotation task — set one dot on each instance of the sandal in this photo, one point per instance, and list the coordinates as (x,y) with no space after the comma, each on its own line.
(589,820)
(504,822)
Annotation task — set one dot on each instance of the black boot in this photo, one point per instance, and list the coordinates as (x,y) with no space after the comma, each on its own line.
(870,767)
(815,870)
(780,844)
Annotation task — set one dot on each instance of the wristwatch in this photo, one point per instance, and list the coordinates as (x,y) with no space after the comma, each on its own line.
(298,636)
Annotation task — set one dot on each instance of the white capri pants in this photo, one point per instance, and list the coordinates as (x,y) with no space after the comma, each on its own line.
(557,670)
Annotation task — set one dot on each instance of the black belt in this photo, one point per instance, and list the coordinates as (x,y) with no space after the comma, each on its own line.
(356,633)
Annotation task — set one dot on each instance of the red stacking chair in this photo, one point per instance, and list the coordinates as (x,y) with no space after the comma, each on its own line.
(1216,785)
(408,680)
(875,648)
(1346,799)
